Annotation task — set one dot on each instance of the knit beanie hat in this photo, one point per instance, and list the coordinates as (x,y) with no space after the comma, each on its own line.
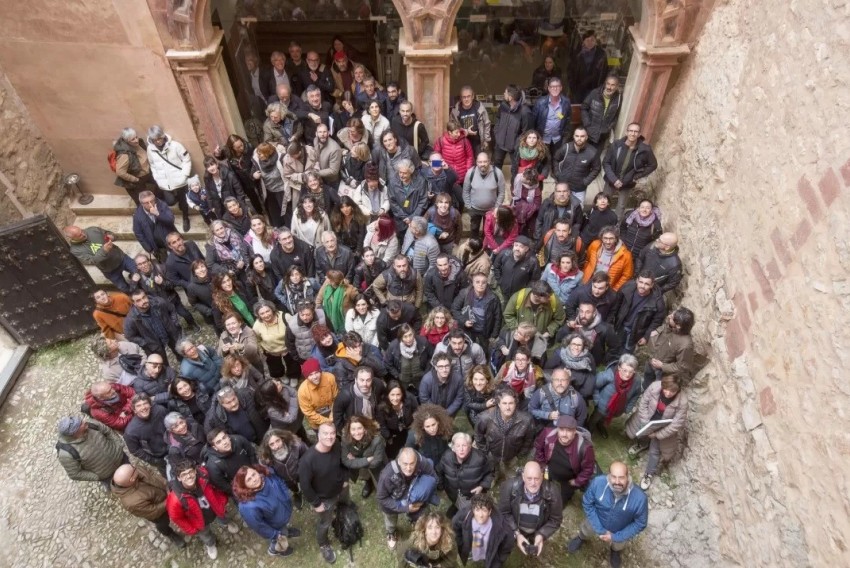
(309,367)
(68,425)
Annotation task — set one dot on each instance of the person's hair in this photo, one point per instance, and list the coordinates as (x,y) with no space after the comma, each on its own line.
(288,438)
(267,396)
(305,305)
(265,150)
(684,318)
(542,150)
(575,335)
(599,277)
(628,360)
(138,293)
(420,224)
(155,132)
(513,92)
(100,347)
(447,537)
(241,491)
(317,213)
(278,107)
(505,219)
(461,435)
(388,133)
(180,347)
(319,331)
(429,319)
(441,356)
(482,501)
(567,254)
(670,382)
(293,268)
(360,150)
(227,366)
(484,370)
(527,327)
(220,298)
(612,229)
(354,123)
(443,197)
(352,339)
(335,277)
(404,329)
(541,288)
(404,164)
(371,427)
(386,228)
(127,133)
(172,388)
(209,161)
(232,140)
(311,89)
(311,175)
(260,304)
(181,465)
(474,245)
(294,149)
(523,350)
(456,334)
(646,275)
(140,397)
(377,104)
(445,423)
(337,219)
(599,196)
(267,237)
(529,177)
(452,125)
(197,264)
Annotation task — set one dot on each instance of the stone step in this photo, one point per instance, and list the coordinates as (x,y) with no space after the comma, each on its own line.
(122,225)
(131,248)
(113,205)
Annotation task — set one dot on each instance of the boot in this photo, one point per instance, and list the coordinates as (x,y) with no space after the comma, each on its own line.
(368,488)
(186,224)
(595,422)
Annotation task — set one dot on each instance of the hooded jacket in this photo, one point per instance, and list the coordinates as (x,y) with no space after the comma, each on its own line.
(547,317)
(183,507)
(206,370)
(598,119)
(650,315)
(270,509)
(675,351)
(621,268)
(171,166)
(366,326)
(510,123)
(91,250)
(390,286)
(393,357)
(472,355)
(624,517)
(637,237)
(578,168)
(642,162)
(513,275)
(549,213)
(199,294)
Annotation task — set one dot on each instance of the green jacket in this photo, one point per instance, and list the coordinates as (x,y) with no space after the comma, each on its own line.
(101,451)
(547,318)
(91,250)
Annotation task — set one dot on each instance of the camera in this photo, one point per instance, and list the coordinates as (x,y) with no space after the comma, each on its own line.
(531,549)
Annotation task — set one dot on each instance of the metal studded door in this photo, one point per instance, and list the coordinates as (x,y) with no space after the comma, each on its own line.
(45,293)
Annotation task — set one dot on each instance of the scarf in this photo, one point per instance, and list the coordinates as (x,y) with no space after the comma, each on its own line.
(634,217)
(501,424)
(365,401)
(241,307)
(333,306)
(268,164)
(617,402)
(295,295)
(527,153)
(589,331)
(407,352)
(228,248)
(584,361)
(560,274)
(518,382)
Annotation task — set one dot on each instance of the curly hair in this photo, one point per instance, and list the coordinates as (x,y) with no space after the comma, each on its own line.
(221,299)
(227,366)
(241,491)
(429,319)
(289,439)
(542,150)
(447,538)
(368,424)
(484,370)
(445,423)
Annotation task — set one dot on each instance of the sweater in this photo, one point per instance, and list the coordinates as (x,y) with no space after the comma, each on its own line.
(322,475)
(111,324)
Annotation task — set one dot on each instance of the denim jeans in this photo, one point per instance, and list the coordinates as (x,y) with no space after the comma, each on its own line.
(117,276)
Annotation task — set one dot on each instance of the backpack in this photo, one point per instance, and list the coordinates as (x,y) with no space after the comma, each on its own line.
(521,295)
(583,440)
(347,527)
(130,363)
(112,158)
(70,449)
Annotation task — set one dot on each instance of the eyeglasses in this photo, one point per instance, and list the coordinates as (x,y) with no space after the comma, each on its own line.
(443,366)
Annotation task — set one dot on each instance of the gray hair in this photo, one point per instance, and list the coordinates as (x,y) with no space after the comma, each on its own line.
(312,174)
(461,436)
(155,132)
(279,108)
(100,347)
(420,224)
(181,345)
(628,360)
(128,133)
(263,304)
(404,163)
(171,419)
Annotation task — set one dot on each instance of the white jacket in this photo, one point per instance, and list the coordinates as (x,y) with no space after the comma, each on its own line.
(386,251)
(360,195)
(367,327)
(171,167)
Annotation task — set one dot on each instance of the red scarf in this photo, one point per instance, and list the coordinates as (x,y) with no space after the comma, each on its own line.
(561,275)
(617,402)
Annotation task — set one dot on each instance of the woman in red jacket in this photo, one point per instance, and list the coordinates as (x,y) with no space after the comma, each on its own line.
(455,148)
(194,503)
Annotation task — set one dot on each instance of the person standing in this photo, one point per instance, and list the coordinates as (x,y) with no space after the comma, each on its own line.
(514,117)
(532,509)
(143,495)
(152,324)
(483,191)
(474,119)
(588,67)
(266,506)
(324,484)
(132,169)
(599,111)
(171,167)
(567,455)
(627,161)
(89,451)
(482,534)
(153,221)
(552,115)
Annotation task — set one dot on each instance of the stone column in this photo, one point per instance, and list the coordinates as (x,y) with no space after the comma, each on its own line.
(428,82)
(203,81)
(649,74)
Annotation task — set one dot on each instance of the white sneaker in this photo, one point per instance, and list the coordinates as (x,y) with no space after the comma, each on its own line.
(232,527)
(212,552)
(646,482)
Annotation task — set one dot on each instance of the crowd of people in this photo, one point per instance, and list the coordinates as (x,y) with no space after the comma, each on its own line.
(358,334)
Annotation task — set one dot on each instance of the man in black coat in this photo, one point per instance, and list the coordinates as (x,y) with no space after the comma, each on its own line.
(316,74)
(333,256)
(478,312)
(392,317)
(532,508)
(599,111)
(361,398)
(150,276)
(181,255)
(641,311)
(154,378)
(577,163)
(145,434)
(465,472)
(562,204)
(316,112)
(512,119)
(597,292)
(516,268)
(234,411)
(444,281)
(628,160)
(224,455)
(152,325)
(499,544)
(152,222)
(606,344)
(662,261)
(588,67)
(291,250)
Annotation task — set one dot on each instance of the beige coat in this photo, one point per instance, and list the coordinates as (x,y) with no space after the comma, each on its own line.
(676,351)
(677,410)
(293,171)
(145,499)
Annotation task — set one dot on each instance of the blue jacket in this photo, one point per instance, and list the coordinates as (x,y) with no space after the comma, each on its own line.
(605,389)
(541,111)
(147,232)
(624,517)
(206,370)
(270,509)
(570,403)
(449,396)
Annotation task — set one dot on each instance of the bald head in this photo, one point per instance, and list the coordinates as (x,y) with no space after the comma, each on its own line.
(532,477)
(101,389)
(124,476)
(669,239)
(74,234)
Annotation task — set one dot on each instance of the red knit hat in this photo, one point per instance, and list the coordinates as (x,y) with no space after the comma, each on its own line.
(339,56)
(309,367)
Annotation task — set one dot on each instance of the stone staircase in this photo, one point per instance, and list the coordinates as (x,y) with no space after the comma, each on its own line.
(115,213)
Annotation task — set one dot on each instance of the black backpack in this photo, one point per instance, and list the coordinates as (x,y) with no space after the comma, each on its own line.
(348,529)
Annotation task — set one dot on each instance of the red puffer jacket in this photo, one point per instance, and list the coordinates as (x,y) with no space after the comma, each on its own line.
(116,415)
(190,518)
(456,153)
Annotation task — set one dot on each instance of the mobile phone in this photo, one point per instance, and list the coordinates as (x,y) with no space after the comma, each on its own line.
(436,163)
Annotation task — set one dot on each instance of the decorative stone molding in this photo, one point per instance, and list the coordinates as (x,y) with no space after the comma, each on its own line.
(428,23)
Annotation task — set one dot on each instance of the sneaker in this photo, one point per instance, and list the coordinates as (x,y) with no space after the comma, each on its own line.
(637,449)
(368,488)
(646,481)
(232,527)
(574,545)
(212,552)
(614,559)
(392,540)
(273,551)
(177,540)
(292,532)
(328,554)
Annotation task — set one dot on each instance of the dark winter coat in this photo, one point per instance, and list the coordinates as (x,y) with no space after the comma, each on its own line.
(343,261)
(146,438)
(650,315)
(541,111)
(606,305)
(512,495)
(500,543)
(549,213)
(222,468)
(449,395)
(230,187)
(386,163)
(598,120)
(514,275)
(410,203)
(288,469)
(641,165)
(636,238)
(440,292)
(510,123)
(576,167)
(301,255)
(138,329)
(393,486)
(392,357)
(461,478)
(515,441)
(388,328)
(492,310)
(667,268)
(178,269)
(217,416)
(151,234)
(199,294)
(347,404)
(594,221)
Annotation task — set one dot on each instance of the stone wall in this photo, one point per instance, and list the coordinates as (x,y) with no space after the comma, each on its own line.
(754,176)
(28,163)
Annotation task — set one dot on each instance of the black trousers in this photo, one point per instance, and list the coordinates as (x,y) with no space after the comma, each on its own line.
(177,196)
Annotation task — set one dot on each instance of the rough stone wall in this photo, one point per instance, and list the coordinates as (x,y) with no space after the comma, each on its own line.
(754,174)
(28,163)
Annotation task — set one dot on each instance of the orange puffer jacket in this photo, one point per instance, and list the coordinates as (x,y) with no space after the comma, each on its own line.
(622,266)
